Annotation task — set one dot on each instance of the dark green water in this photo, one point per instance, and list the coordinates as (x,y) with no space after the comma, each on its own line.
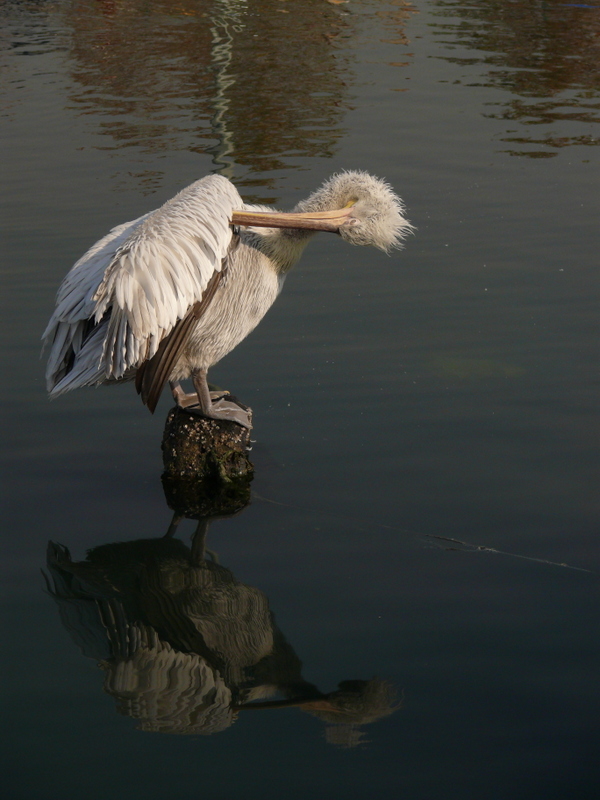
(446,393)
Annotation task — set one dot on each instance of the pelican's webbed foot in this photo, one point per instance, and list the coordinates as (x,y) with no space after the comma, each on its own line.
(186,399)
(210,404)
(225,409)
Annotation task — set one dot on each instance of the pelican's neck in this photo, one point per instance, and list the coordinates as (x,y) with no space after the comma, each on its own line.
(282,246)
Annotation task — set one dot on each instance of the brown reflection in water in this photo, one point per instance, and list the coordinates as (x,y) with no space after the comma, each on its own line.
(395,14)
(291,88)
(547,54)
(23,32)
(267,80)
(185,647)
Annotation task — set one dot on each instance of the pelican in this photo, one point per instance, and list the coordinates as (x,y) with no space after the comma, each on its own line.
(165,297)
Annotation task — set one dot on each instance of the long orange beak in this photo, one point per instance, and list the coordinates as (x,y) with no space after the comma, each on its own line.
(313,220)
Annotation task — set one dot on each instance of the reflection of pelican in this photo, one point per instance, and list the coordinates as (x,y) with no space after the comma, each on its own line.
(166,296)
(185,647)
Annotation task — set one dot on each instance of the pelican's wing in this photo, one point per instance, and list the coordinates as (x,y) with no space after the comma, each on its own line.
(154,373)
(74,298)
(162,270)
(75,306)
(132,287)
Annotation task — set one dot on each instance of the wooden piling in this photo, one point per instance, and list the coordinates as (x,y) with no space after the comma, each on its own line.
(206,466)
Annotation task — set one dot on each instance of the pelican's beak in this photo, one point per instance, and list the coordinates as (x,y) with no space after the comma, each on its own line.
(313,705)
(313,220)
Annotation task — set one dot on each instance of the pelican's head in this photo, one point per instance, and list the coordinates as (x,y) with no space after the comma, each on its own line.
(361,208)
(371,213)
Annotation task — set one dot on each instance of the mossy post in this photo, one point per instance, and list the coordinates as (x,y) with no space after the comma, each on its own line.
(206,466)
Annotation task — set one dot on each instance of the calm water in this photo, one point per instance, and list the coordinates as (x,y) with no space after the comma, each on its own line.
(424,519)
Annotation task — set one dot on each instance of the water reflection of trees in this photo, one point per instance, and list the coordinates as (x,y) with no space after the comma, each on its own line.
(267,80)
(185,647)
(547,54)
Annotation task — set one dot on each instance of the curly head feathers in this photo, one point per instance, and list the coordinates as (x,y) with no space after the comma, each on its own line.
(377,211)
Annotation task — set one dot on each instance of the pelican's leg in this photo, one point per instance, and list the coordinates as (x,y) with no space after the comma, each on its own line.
(199,542)
(216,409)
(172,530)
(185,400)
(181,397)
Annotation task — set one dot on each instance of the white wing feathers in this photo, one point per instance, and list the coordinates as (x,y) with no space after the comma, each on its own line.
(75,306)
(136,283)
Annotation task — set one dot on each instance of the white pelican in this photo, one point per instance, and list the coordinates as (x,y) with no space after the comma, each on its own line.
(166,296)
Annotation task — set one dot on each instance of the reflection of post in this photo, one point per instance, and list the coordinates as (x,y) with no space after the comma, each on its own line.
(224,24)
